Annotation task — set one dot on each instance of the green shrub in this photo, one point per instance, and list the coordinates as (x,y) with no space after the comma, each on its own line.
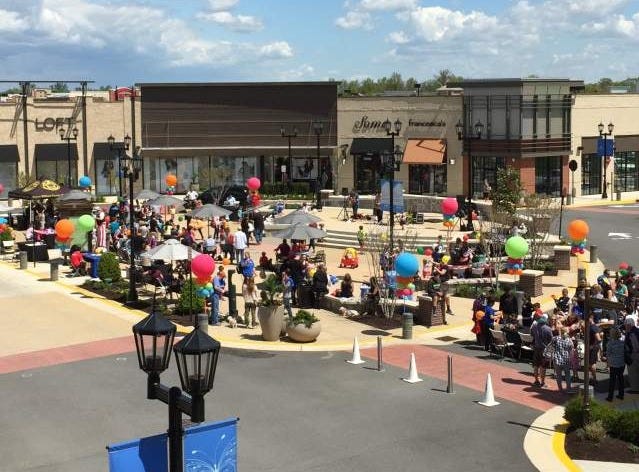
(593,432)
(303,317)
(189,302)
(626,427)
(109,268)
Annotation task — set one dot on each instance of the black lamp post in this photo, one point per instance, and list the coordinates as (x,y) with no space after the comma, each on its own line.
(71,135)
(392,161)
(289,136)
(601,127)
(318,127)
(196,355)
(121,148)
(478,129)
(130,168)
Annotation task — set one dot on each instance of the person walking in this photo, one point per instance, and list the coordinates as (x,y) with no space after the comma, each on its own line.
(258,223)
(219,287)
(247,266)
(287,293)
(542,336)
(239,244)
(632,346)
(616,360)
(251,297)
(561,346)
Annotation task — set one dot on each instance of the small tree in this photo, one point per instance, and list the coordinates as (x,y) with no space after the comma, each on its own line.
(189,302)
(540,211)
(109,268)
(506,195)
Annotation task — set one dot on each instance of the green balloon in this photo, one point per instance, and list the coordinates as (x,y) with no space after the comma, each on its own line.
(86,223)
(516,247)
(420,250)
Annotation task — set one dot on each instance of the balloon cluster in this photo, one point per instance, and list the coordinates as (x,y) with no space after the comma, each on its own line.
(623,269)
(516,249)
(449,208)
(171,182)
(253,184)
(424,251)
(63,231)
(406,267)
(203,267)
(577,232)
(86,223)
(85,181)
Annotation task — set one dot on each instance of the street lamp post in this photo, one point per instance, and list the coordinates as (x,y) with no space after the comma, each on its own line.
(318,127)
(462,136)
(196,355)
(601,127)
(392,161)
(71,135)
(121,148)
(289,136)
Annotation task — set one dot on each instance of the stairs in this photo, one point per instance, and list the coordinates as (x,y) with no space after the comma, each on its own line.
(339,239)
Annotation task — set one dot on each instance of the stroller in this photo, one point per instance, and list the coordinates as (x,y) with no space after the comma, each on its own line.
(350,258)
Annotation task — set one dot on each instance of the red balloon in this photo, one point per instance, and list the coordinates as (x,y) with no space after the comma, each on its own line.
(203,280)
(624,266)
(203,266)
(253,183)
(428,252)
(449,206)
(1,188)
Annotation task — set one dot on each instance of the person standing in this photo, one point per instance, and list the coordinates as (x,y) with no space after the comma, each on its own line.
(562,347)
(542,337)
(616,360)
(239,244)
(248,266)
(355,203)
(251,297)
(320,284)
(287,293)
(632,347)
(258,223)
(508,305)
(219,287)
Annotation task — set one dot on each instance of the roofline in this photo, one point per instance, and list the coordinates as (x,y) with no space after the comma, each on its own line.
(227,84)
(513,81)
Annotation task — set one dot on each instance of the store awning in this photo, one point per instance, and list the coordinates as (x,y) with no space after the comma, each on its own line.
(55,152)
(9,153)
(103,151)
(370,145)
(425,151)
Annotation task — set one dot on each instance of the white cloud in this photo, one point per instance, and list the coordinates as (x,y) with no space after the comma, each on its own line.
(242,23)
(398,37)
(387,4)
(437,23)
(11,21)
(222,5)
(355,20)
(278,49)
(303,72)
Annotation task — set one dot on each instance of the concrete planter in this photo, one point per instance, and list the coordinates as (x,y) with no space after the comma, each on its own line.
(271,321)
(301,334)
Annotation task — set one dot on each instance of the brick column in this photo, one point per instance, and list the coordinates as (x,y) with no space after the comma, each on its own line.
(531,282)
(562,257)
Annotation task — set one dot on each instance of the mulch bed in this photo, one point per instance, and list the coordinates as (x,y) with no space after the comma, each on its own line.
(608,450)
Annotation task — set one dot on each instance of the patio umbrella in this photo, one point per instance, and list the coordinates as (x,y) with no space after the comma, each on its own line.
(301,232)
(40,189)
(171,250)
(76,195)
(296,217)
(146,195)
(209,211)
(165,200)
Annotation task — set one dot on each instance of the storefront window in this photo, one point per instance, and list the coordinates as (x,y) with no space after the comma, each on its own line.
(8,177)
(57,171)
(368,172)
(626,171)
(548,175)
(426,179)
(485,168)
(590,174)
(106,178)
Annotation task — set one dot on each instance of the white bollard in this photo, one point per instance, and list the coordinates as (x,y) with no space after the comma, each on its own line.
(356,357)
(489,396)
(413,377)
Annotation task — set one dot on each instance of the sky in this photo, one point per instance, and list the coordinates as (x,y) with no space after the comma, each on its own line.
(121,42)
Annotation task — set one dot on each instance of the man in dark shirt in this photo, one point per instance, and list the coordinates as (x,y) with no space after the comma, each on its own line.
(283,250)
(542,336)
(258,224)
(508,305)
(137,243)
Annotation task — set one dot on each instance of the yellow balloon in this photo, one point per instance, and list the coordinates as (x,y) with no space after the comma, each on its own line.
(384,237)
(446,259)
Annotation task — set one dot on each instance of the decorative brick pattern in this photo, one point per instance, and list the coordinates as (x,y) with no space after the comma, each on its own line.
(428,316)
(531,282)
(562,257)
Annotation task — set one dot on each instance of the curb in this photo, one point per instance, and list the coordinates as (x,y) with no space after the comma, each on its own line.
(558,441)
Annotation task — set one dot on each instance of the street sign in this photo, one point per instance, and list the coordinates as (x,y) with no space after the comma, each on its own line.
(572,165)
(605,147)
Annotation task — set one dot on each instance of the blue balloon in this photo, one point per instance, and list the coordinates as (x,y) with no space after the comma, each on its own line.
(406,264)
(85,181)
(333,279)
(3,220)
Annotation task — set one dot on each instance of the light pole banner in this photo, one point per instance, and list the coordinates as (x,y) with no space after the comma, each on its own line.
(398,196)
(605,147)
(208,446)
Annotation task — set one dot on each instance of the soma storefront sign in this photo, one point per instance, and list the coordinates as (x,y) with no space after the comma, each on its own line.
(367,125)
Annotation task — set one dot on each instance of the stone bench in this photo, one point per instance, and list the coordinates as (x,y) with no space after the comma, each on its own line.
(333,303)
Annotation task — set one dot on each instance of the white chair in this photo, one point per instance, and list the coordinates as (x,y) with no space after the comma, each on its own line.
(526,343)
(500,343)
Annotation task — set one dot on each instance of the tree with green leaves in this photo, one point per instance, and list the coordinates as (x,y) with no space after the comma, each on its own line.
(507,192)
(60,87)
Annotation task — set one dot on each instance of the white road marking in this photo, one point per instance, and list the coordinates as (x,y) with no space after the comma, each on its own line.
(619,236)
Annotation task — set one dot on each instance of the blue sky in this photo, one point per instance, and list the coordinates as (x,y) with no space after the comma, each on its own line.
(120,42)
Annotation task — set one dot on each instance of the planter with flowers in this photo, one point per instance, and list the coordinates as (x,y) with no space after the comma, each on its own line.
(304,327)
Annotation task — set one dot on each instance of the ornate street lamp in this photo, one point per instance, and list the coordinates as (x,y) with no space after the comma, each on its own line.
(121,148)
(392,161)
(478,130)
(72,135)
(196,355)
(289,136)
(601,127)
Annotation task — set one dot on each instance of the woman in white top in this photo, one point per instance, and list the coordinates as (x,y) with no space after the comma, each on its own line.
(251,297)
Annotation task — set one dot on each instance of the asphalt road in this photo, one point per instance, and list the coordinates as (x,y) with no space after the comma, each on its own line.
(614,229)
(298,412)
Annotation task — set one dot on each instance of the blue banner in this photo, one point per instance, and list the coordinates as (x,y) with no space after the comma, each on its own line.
(207,447)
(605,147)
(398,196)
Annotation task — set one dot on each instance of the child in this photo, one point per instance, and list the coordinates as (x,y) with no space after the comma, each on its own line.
(361,236)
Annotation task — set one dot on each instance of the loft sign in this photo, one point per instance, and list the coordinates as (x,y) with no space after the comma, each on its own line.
(366,125)
(49,124)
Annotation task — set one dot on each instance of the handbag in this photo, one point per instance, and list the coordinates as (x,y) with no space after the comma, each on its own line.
(548,351)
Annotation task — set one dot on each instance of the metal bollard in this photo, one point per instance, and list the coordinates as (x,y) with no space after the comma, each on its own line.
(581,274)
(232,294)
(407,325)
(23,260)
(53,270)
(203,322)
(450,388)
(593,253)
(569,199)
(380,363)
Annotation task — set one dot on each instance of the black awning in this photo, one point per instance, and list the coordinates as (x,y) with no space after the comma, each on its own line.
(370,145)
(55,152)
(103,150)
(9,153)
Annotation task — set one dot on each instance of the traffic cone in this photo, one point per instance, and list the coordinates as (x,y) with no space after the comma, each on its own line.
(356,357)
(413,377)
(489,396)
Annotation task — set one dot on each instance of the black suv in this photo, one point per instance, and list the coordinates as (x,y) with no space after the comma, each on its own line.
(239,193)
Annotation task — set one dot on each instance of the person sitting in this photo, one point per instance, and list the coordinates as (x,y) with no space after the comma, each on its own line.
(434,290)
(78,264)
(320,284)
(372,306)
(266,263)
(563,302)
(438,249)
(283,250)
(346,287)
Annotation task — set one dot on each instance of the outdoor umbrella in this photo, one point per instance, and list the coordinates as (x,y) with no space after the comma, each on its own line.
(209,211)
(301,232)
(165,200)
(171,250)
(39,189)
(296,217)
(146,195)
(76,195)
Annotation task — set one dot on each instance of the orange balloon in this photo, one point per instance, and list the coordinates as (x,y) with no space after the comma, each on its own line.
(64,229)
(578,230)
(171,180)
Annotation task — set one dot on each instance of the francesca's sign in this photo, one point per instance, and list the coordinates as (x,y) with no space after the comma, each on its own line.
(49,123)
(367,125)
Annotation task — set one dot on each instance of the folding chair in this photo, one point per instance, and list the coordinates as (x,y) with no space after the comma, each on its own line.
(500,343)
(526,343)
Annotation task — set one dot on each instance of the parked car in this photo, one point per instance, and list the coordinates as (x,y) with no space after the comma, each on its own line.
(231,198)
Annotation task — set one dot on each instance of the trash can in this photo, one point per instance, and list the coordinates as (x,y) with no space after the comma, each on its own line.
(407,325)
(305,295)
(363,292)
(23,260)
(53,267)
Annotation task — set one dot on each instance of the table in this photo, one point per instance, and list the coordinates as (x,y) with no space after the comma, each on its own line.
(94,260)
(37,251)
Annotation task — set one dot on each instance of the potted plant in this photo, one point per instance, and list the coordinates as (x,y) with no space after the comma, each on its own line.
(6,236)
(304,327)
(270,311)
